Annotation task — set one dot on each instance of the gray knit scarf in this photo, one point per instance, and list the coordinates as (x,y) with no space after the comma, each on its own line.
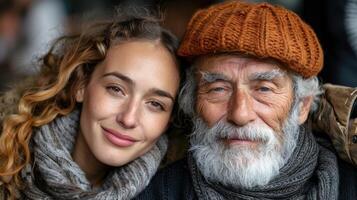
(310,173)
(54,175)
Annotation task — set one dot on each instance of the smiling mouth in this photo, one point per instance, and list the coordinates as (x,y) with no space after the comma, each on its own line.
(118,139)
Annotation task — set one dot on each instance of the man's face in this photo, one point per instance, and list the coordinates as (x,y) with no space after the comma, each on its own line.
(246,122)
(241,91)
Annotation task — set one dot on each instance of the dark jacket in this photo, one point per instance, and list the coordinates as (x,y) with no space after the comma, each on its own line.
(174,183)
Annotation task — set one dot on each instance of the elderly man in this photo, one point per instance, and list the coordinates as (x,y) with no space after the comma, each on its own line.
(249,91)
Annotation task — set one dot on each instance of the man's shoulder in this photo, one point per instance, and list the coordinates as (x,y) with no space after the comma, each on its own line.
(170,183)
(335,118)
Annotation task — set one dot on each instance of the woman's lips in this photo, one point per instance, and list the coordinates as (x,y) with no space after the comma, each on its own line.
(118,139)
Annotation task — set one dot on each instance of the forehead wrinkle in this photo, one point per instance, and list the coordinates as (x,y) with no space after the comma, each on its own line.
(268,76)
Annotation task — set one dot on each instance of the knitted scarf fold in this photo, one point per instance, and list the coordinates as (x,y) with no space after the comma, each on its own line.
(54,175)
(310,173)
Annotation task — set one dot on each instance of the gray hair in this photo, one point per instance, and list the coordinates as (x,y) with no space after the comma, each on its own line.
(187,94)
(303,87)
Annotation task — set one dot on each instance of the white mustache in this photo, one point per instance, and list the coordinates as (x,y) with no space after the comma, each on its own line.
(253,132)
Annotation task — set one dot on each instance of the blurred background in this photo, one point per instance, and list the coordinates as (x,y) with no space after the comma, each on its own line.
(28,27)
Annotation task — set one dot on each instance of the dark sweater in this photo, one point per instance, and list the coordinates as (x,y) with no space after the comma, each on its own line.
(174,183)
(171,183)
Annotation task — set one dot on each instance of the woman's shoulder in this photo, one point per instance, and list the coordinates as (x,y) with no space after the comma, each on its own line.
(9,99)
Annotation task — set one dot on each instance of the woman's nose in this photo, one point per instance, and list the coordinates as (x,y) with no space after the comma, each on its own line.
(128,116)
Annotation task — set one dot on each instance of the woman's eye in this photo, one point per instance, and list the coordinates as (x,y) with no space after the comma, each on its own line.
(156,105)
(115,90)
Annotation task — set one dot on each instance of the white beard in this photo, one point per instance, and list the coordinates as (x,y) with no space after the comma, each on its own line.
(242,166)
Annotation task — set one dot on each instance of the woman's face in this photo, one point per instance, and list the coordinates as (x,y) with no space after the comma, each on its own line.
(128,101)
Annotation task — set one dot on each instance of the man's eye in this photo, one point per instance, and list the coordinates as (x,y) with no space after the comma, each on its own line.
(217,89)
(263,89)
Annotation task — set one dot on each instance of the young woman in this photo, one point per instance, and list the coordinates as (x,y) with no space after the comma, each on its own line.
(91,126)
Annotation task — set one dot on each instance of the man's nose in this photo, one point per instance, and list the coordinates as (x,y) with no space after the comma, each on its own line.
(240,108)
(128,116)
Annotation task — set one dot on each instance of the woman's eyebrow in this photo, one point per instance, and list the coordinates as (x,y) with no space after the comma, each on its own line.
(161,93)
(121,77)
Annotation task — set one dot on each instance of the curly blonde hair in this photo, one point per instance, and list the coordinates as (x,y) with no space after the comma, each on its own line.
(66,68)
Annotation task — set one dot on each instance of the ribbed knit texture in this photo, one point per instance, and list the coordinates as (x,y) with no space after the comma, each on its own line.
(350,22)
(54,175)
(310,173)
(261,30)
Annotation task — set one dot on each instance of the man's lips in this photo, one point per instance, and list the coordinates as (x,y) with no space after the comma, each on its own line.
(117,138)
(240,141)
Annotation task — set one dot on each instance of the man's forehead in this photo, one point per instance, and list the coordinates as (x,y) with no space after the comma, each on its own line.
(233,61)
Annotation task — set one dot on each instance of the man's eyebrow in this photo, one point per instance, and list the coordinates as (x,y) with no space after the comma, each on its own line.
(210,77)
(162,93)
(120,76)
(266,76)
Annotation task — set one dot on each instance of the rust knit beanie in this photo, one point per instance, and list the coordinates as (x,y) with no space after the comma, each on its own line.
(261,30)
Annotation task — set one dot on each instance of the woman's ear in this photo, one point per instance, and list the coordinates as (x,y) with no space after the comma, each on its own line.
(80,95)
(304,107)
